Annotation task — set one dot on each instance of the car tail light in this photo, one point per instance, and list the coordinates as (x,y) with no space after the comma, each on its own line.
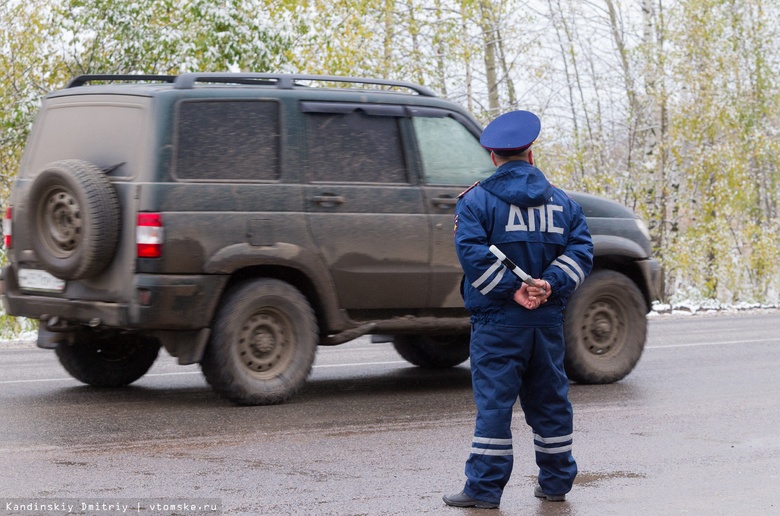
(8,230)
(149,235)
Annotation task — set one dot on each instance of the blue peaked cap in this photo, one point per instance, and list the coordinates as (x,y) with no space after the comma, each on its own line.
(513,131)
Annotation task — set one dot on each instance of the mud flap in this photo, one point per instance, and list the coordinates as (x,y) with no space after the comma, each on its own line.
(187,346)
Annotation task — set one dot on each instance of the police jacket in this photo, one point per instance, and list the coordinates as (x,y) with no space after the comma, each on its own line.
(538,227)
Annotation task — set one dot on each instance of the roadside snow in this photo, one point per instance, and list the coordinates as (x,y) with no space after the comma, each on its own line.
(690,308)
(21,341)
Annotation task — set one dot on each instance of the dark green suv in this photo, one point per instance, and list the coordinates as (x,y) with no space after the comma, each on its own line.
(241,220)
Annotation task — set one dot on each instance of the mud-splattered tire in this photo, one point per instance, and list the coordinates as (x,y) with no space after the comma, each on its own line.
(263,343)
(433,351)
(112,360)
(605,328)
(74,219)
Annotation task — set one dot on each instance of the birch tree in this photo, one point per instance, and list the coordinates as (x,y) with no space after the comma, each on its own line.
(173,36)
(723,127)
(668,106)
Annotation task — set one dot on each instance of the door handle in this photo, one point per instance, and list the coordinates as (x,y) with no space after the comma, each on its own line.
(328,200)
(444,202)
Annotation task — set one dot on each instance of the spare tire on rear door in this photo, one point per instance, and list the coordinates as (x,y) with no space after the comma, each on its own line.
(74,219)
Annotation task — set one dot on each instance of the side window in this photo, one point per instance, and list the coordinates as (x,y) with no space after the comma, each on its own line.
(227,140)
(450,154)
(354,147)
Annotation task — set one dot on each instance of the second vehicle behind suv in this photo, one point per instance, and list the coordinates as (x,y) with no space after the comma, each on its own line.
(241,220)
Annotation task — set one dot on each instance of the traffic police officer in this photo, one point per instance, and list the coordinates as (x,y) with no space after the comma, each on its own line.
(517,344)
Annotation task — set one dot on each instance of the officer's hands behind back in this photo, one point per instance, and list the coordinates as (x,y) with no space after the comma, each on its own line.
(533,297)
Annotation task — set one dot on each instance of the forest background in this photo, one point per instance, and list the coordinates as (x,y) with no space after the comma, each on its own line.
(667,106)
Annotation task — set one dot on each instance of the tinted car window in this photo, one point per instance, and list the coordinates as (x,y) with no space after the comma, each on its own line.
(354,147)
(106,134)
(228,140)
(450,154)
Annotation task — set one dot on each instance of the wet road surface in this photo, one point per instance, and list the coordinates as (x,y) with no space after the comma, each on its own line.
(695,429)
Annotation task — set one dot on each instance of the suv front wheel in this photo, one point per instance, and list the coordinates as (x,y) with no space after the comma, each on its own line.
(263,343)
(605,328)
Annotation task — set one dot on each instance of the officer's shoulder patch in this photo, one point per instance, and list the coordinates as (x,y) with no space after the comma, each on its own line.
(467,190)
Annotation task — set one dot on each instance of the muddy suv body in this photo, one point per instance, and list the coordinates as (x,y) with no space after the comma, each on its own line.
(241,220)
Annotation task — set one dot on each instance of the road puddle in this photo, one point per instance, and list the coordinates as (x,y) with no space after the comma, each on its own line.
(586,478)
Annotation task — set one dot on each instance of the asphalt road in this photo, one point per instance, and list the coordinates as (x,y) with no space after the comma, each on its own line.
(695,429)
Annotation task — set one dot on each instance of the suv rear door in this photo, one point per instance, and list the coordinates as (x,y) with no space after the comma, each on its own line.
(368,220)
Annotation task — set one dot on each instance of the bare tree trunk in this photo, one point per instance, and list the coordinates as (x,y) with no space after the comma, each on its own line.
(636,118)
(569,86)
(439,48)
(510,84)
(617,37)
(572,53)
(662,200)
(467,57)
(414,31)
(388,43)
(490,40)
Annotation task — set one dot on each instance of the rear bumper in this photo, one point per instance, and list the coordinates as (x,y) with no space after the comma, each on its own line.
(154,302)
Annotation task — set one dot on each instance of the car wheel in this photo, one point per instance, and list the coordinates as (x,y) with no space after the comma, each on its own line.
(74,219)
(112,360)
(605,328)
(432,351)
(262,345)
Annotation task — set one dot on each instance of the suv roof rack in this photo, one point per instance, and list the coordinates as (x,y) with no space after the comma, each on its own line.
(187,81)
(288,81)
(81,80)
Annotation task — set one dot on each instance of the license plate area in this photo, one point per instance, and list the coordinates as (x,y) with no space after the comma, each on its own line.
(39,281)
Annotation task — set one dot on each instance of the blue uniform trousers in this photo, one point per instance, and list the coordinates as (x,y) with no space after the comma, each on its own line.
(507,362)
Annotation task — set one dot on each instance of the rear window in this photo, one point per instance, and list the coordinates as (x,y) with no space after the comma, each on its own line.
(227,140)
(104,133)
(354,148)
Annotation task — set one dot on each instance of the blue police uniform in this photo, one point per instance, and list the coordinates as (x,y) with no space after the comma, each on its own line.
(516,352)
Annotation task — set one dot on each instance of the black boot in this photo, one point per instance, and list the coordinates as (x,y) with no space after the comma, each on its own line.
(463,500)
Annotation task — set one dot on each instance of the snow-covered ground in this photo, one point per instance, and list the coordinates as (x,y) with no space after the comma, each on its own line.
(693,308)
(23,340)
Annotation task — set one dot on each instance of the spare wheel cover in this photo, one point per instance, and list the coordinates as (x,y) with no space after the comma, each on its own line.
(74,219)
